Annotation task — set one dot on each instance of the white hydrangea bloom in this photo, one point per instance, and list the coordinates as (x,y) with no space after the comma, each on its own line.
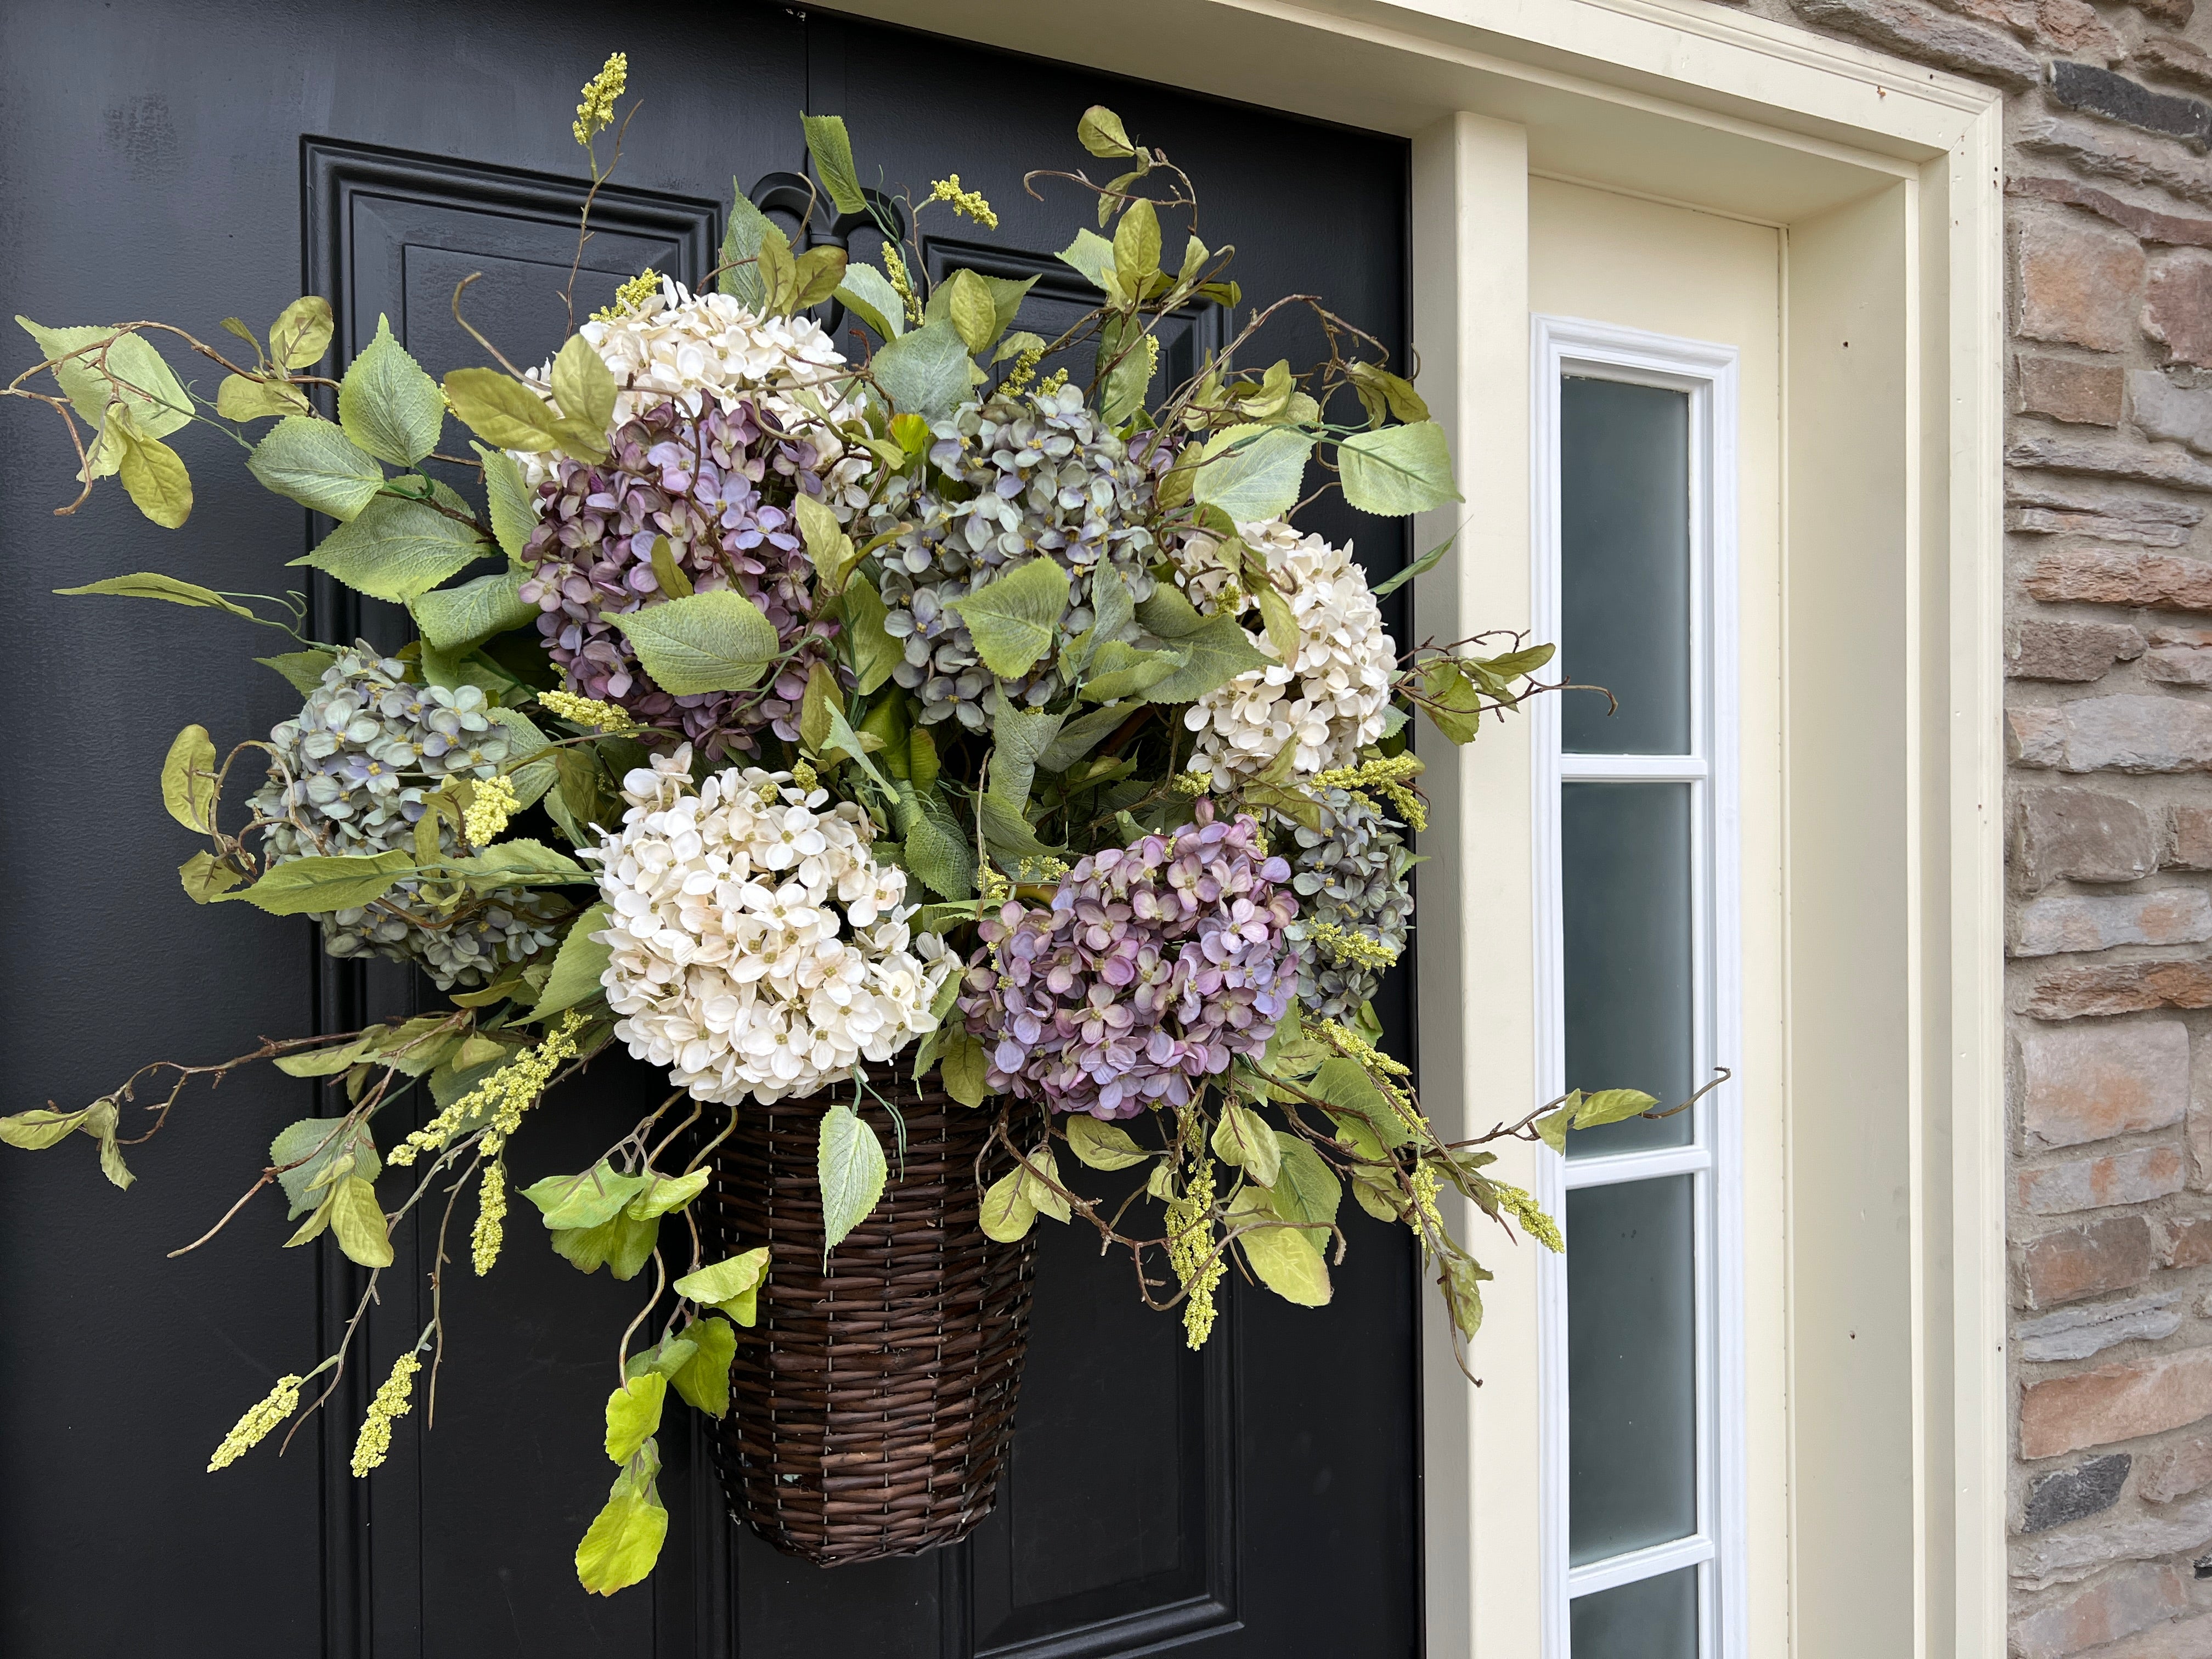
(758,950)
(1328,701)
(684,347)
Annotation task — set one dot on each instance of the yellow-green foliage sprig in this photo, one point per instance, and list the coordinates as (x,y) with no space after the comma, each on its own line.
(374,1443)
(596,113)
(251,1429)
(504,1096)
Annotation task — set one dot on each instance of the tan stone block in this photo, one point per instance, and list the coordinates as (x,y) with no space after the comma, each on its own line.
(2126,732)
(2175,1471)
(2091,1184)
(2074,27)
(2042,650)
(2090,1260)
(2081,835)
(2109,577)
(2186,1243)
(2085,1083)
(2185,1638)
(2114,1403)
(2178,665)
(2077,281)
(2192,838)
(2176,59)
(2120,988)
(2073,921)
(2084,394)
(2117,1605)
(2178,305)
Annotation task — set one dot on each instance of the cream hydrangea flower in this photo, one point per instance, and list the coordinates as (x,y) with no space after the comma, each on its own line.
(684,347)
(758,950)
(1327,702)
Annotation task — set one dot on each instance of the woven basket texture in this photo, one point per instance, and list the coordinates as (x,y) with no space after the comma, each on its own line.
(873,1404)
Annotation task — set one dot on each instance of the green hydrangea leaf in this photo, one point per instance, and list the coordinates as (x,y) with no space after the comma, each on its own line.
(1214,653)
(317,465)
(704,1381)
(1014,620)
(850,1165)
(874,653)
(1395,469)
(577,969)
(1252,472)
(302,669)
(301,333)
(387,405)
(663,1194)
(867,292)
(396,549)
(622,1245)
(455,618)
(1279,1254)
(501,411)
(576,1202)
(831,146)
(717,641)
(313,1148)
(924,372)
(314,884)
(1306,1189)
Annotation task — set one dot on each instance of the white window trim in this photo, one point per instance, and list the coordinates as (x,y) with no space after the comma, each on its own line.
(1707,372)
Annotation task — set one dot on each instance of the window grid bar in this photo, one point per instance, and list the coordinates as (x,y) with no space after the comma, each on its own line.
(1639,1564)
(1632,768)
(1638,1166)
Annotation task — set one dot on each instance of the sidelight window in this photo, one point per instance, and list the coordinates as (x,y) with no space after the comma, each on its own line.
(1638,977)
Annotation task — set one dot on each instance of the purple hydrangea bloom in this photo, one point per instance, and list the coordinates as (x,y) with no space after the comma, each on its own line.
(1155,965)
(720,488)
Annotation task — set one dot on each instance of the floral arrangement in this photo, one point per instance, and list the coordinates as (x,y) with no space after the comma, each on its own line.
(798,711)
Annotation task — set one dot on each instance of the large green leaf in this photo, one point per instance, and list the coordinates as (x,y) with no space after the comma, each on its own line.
(301,333)
(1119,669)
(358,1222)
(1102,1145)
(576,970)
(303,671)
(1018,738)
(583,385)
(304,1153)
(850,1164)
(501,409)
(704,1381)
(513,510)
(454,618)
(397,548)
(1014,619)
(730,1285)
(747,231)
(314,885)
(521,863)
(598,1194)
(633,1414)
(1279,1255)
(137,375)
(530,778)
(1395,469)
(317,465)
(623,1542)
(936,850)
(1007,1213)
(924,372)
(387,405)
(869,293)
(622,1246)
(1244,1139)
(1215,652)
(1007,832)
(1092,255)
(188,780)
(152,585)
(875,654)
(1080,736)
(154,475)
(828,143)
(1306,1189)
(715,642)
(1252,472)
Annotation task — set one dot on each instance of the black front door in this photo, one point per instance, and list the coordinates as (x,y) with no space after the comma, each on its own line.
(188,161)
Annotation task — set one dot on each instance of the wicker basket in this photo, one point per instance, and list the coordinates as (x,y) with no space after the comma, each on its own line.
(873,1403)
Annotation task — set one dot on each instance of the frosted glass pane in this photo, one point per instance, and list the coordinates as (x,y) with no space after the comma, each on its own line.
(1625,566)
(1652,1619)
(1631,1371)
(1625,879)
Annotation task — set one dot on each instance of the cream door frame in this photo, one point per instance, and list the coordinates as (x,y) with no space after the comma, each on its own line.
(1885,177)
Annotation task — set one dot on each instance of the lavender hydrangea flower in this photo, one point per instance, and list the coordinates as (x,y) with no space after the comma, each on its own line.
(720,488)
(1155,965)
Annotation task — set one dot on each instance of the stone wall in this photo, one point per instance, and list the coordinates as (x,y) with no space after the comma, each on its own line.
(2109,647)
